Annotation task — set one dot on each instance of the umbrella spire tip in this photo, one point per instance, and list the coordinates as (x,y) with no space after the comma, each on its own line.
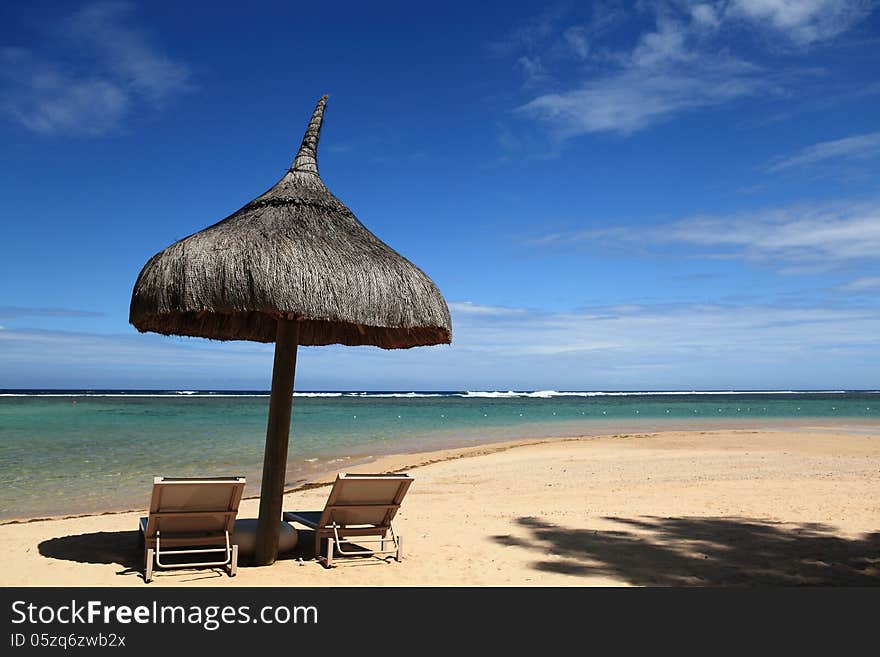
(307,157)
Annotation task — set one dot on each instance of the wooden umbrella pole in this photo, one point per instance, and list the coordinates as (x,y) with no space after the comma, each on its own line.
(277,434)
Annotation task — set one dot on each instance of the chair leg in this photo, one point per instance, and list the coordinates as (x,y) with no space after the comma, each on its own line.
(329,552)
(233,563)
(399,550)
(148,565)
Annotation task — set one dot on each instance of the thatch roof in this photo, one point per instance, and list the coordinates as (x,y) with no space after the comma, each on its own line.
(294,252)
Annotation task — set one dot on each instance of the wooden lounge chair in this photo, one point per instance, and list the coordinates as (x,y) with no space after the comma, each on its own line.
(358,505)
(191,516)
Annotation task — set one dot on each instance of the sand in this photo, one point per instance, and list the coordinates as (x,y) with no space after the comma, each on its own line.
(674,508)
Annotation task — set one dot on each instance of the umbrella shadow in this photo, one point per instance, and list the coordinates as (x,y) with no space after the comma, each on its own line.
(124,549)
(693,551)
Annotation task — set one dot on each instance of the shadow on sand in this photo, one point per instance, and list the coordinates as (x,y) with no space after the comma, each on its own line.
(120,548)
(694,551)
(125,549)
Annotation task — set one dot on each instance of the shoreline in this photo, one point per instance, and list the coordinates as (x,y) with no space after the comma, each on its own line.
(386,463)
(675,508)
(404,460)
(101,455)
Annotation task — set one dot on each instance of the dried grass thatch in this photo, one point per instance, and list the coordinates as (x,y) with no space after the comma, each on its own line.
(295,252)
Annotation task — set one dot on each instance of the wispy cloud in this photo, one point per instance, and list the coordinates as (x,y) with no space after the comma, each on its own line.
(641,96)
(13,312)
(829,234)
(469,308)
(684,62)
(49,358)
(634,346)
(860,147)
(863,284)
(575,38)
(669,70)
(532,69)
(802,21)
(531,34)
(47,99)
(685,330)
(126,51)
(92,71)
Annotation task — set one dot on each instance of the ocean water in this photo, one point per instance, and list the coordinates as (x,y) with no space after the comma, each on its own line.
(65,452)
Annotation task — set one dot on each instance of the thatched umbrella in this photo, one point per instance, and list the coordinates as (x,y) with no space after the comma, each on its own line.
(294,267)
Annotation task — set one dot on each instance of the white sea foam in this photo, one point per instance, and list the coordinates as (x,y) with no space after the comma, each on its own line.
(399,395)
(473,394)
(546,394)
(510,394)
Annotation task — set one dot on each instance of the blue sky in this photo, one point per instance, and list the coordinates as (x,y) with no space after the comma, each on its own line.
(651,195)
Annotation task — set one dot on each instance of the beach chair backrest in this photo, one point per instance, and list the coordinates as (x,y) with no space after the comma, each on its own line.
(194,506)
(357,499)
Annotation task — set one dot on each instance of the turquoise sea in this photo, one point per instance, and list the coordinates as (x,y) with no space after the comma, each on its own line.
(64,452)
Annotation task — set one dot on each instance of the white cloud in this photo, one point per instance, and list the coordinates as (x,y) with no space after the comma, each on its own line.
(686,61)
(532,69)
(637,98)
(575,38)
(93,71)
(14,312)
(36,358)
(829,234)
(805,234)
(856,147)
(664,45)
(530,34)
(864,284)
(699,330)
(136,63)
(614,347)
(469,308)
(705,15)
(667,72)
(802,21)
(45,99)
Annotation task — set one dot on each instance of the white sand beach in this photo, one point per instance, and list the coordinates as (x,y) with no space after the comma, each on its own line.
(675,508)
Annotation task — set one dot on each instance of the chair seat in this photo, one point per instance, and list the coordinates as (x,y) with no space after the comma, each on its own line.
(218,536)
(308,518)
